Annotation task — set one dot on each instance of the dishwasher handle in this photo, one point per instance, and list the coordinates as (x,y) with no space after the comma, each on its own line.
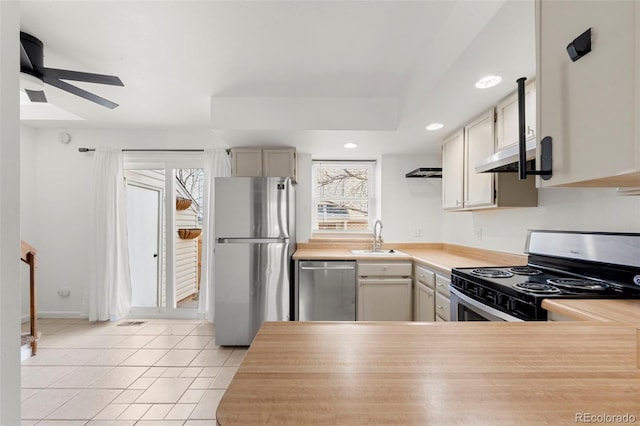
(327,268)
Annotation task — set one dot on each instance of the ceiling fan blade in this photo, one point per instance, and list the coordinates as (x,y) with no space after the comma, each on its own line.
(80,92)
(25,62)
(36,95)
(81,76)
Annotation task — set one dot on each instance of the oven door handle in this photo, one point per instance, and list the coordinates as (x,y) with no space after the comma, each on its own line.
(480,308)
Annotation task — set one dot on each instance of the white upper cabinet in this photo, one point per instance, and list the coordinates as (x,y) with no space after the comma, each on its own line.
(507,121)
(465,189)
(255,161)
(479,144)
(279,162)
(590,107)
(462,187)
(246,162)
(452,171)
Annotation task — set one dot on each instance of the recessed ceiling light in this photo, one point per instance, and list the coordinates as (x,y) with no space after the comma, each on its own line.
(434,126)
(350,145)
(488,81)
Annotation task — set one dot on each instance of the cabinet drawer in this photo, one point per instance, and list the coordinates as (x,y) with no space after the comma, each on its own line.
(442,284)
(442,307)
(384,269)
(425,276)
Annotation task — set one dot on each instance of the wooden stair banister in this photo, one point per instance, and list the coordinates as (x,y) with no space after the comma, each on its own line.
(28,256)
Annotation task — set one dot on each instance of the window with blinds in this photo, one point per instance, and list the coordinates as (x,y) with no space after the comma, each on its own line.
(342,195)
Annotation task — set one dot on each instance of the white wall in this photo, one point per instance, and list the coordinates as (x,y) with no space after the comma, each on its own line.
(411,207)
(574,209)
(303,198)
(28,206)
(9,215)
(63,204)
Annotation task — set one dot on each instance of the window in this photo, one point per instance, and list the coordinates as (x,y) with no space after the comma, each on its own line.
(343,195)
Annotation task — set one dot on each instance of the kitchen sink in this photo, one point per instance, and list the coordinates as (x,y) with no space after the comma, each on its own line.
(390,252)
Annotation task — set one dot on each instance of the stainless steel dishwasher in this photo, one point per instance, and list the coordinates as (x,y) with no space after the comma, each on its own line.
(326,291)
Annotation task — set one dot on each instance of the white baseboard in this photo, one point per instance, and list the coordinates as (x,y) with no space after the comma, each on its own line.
(25,352)
(137,314)
(61,314)
(154,314)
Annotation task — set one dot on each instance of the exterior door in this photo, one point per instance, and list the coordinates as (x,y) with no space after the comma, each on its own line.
(143,213)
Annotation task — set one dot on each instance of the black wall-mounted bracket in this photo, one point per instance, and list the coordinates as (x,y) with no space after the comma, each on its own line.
(580,46)
(546,145)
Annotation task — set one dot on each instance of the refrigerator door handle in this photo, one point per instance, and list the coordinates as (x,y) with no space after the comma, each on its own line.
(251,240)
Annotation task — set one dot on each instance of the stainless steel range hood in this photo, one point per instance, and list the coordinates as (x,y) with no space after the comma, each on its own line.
(506,160)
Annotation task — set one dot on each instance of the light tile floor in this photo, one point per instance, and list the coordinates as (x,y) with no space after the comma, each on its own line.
(163,372)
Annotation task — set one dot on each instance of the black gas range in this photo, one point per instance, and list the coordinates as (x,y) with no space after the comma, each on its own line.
(560,264)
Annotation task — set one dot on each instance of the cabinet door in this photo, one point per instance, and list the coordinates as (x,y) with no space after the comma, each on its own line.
(425,276)
(479,144)
(507,118)
(452,171)
(384,299)
(442,285)
(424,303)
(589,107)
(443,307)
(279,162)
(246,162)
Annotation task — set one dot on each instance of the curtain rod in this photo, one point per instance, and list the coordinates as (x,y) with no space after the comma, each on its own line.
(152,150)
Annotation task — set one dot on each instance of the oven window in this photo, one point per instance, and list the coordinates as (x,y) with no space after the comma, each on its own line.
(465,314)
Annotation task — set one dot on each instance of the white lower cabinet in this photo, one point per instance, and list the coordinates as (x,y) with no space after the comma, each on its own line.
(424,303)
(424,294)
(384,291)
(443,306)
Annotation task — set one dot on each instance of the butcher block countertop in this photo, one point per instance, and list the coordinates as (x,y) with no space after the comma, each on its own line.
(439,256)
(386,373)
(624,311)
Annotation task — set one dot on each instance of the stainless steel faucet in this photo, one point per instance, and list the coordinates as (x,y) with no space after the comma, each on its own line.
(377,235)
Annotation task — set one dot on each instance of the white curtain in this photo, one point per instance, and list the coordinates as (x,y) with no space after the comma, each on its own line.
(217,164)
(109,274)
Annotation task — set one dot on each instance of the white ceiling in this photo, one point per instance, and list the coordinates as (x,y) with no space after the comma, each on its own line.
(174,57)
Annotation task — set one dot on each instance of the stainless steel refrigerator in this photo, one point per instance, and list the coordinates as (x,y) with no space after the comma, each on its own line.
(255,239)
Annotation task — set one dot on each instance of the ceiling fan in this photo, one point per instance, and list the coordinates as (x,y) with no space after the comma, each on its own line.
(33,75)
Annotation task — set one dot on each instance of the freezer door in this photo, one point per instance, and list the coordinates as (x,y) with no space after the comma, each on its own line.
(253,207)
(251,286)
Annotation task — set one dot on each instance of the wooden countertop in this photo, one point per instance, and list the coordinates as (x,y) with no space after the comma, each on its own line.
(625,311)
(439,256)
(298,373)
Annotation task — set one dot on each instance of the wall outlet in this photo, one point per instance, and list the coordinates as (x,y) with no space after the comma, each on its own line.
(64,292)
(418,232)
(479,234)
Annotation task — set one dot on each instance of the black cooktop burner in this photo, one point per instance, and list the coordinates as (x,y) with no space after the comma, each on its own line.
(525,270)
(539,288)
(491,273)
(578,284)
